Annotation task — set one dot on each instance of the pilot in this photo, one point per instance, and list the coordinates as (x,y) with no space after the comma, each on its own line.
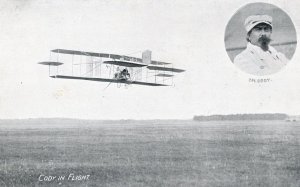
(124,75)
(259,58)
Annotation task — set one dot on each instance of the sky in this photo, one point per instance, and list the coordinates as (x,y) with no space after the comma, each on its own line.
(189,34)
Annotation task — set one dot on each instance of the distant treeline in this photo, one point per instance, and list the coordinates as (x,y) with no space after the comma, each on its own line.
(275,116)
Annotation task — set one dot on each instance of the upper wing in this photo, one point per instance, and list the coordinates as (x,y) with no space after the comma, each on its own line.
(106,55)
(73,52)
(108,80)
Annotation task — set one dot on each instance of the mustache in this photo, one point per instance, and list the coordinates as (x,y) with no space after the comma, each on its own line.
(264,39)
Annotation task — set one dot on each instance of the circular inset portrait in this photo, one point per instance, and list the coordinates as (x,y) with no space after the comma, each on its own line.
(260,39)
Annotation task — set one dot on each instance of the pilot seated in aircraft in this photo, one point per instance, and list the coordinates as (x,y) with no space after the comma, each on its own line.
(122,75)
(125,74)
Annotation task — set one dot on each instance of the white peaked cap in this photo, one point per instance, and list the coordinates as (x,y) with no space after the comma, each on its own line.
(254,20)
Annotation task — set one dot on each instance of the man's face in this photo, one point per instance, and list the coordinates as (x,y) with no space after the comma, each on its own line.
(260,35)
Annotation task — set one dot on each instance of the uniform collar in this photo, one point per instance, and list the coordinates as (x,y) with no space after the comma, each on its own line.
(256,49)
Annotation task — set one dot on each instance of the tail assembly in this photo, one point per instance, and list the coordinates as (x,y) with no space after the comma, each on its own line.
(146,57)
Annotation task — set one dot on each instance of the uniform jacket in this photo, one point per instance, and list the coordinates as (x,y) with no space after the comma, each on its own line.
(256,61)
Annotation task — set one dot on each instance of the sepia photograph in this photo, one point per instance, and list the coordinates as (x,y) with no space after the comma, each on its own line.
(149,93)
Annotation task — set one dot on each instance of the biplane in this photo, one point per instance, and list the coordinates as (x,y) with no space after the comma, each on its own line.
(111,68)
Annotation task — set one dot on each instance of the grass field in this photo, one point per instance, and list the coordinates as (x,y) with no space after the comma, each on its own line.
(157,153)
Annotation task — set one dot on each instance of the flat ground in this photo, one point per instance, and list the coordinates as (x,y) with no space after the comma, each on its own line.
(161,153)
